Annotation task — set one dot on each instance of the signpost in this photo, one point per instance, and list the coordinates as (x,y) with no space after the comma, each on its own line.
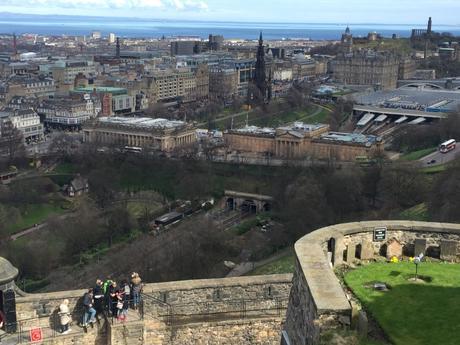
(36,335)
(380,234)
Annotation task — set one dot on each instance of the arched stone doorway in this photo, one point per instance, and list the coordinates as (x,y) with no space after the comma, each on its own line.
(331,250)
(249,206)
(267,207)
(230,204)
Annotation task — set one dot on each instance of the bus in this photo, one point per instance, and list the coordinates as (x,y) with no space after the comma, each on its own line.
(132,149)
(447,146)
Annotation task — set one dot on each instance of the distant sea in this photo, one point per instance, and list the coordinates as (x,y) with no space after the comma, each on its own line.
(137,27)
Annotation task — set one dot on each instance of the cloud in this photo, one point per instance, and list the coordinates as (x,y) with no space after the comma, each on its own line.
(181,5)
(184,5)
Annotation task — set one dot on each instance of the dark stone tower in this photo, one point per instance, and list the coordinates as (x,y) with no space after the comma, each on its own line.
(260,75)
(427,38)
(15,45)
(118,48)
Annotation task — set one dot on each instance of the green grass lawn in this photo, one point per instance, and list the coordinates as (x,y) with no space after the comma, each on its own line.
(412,313)
(434,169)
(34,214)
(308,115)
(418,212)
(65,168)
(321,117)
(416,155)
(282,265)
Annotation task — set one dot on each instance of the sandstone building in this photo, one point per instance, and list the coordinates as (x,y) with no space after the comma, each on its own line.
(158,134)
(379,69)
(302,141)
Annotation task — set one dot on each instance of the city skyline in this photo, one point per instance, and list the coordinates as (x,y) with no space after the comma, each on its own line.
(291,11)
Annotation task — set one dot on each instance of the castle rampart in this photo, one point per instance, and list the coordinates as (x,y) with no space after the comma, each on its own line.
(317,301)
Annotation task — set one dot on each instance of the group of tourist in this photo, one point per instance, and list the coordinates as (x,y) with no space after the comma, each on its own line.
(110,296)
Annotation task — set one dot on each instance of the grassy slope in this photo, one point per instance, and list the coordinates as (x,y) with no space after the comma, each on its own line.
(307,115)
(34,214)
(282,265)
(418,212)
(420,314)
(434,169)
(416,155)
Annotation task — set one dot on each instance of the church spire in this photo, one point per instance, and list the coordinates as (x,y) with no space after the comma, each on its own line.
(117,49)
(260,75)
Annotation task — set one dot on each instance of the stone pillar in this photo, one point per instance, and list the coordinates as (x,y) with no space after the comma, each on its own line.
(351,252)
(338,253)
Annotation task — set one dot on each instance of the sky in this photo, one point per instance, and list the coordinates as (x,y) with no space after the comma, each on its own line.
(444,12)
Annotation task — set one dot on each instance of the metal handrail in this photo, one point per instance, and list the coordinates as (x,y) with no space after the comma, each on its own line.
(205,309)
(111,317)
(25,325)
(168,306)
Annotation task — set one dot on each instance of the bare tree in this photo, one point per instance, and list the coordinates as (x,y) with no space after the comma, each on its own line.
(12,142)
(64,145)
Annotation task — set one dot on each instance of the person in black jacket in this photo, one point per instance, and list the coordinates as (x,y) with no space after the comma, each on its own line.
(98,292)
(113,295)
(89,311)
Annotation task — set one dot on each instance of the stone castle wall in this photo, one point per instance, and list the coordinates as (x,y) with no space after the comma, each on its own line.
(317,302)
(213,311)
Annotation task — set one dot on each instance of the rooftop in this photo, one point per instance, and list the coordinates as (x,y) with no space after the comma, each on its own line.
(351,138)
(142,122)
(412,99)
(101,89)
(299,128)
(256,130)
(303,127)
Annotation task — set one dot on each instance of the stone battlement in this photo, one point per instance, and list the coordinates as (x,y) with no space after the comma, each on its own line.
(172,312)
(317,302)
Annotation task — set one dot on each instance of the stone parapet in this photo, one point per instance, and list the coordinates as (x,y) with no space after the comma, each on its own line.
(317,301)
(168,309)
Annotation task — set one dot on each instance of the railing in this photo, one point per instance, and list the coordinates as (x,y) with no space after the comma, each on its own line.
(156,308)
(236,309)
(49,325)
(132,315)
(151,306)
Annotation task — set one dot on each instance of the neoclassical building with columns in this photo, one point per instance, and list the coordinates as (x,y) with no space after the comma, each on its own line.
(159,134)
(301,140)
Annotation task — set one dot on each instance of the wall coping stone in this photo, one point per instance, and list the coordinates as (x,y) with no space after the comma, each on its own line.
(171,286)
(218,283)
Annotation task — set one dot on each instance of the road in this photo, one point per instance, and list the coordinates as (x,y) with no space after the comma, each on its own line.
(440,158)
